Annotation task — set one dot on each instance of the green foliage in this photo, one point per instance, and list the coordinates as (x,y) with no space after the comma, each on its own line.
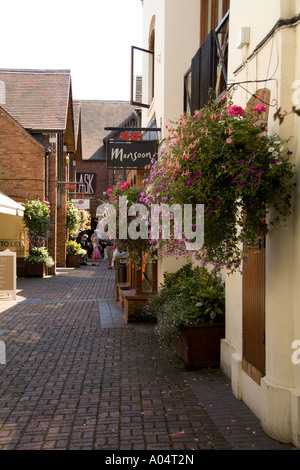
(73,220)
(37,220)
(192,295)
(74,248)
(40,254)
(37,217)
(77,219)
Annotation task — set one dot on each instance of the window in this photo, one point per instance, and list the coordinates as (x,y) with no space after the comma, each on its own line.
(142,71)
(142,77)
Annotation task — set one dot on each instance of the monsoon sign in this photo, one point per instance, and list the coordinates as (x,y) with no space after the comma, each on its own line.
(130,154)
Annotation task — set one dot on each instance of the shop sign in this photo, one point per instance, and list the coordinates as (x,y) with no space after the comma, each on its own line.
(81,203)
(16,246)
(7,273)
(86,183)
(130,154)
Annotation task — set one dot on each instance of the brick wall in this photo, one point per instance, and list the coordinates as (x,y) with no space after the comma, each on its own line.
(26,172)
(22,166)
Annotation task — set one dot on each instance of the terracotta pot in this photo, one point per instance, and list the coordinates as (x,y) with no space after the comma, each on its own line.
(199,345)
(73,261)
(36,269)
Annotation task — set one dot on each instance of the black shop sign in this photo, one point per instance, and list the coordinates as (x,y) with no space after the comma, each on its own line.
(130,154)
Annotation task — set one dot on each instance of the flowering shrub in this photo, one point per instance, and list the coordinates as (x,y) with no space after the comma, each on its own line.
(77,219)
(72,219)
(220,158)
(37,218)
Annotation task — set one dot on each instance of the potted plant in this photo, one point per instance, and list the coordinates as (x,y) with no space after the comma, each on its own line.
(38,261)
(189,310)
(74,253)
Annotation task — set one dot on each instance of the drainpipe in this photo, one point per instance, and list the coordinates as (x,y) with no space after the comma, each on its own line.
(47,155)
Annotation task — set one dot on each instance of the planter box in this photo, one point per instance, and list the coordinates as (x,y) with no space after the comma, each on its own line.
(36,270)
(73,261)
(199,345)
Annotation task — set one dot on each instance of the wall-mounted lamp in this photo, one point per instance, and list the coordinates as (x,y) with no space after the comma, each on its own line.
(243,37)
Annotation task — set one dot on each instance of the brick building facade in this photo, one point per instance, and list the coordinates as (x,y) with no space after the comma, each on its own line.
(22,161)
(40,102)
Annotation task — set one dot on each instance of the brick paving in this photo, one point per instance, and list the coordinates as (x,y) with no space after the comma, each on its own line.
(78,377)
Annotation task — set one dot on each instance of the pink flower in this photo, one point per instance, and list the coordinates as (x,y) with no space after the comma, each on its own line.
(259,108)
(236,111)
(109,191)
(229,140)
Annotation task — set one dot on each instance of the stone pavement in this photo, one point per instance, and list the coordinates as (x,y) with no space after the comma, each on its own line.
(78,377)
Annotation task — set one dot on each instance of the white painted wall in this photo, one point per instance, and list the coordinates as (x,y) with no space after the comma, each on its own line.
(277,400)
(177,39)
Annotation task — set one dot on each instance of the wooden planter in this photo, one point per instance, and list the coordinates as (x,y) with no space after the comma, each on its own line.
(36,270)
(199,345)
(73,261)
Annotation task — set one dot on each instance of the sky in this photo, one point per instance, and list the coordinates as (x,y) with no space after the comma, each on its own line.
(92,38)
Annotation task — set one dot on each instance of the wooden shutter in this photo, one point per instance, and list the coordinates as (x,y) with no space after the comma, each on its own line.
(204,72)
(254,312)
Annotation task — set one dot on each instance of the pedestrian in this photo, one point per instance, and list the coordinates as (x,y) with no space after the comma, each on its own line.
(110,251)
(96,252)
(84,245)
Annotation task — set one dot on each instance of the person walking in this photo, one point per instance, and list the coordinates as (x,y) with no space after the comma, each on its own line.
(84,245)
(96,251)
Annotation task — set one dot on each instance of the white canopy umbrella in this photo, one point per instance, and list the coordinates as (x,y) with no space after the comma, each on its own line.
(9,206)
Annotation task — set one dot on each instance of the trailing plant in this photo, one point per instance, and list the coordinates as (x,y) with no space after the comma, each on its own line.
(192,295)
(222,159)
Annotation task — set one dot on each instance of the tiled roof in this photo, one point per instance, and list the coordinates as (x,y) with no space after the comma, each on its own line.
(37,99)
(95,116)
(5,115)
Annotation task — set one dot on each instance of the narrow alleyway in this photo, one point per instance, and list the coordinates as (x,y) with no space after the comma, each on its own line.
(78,377)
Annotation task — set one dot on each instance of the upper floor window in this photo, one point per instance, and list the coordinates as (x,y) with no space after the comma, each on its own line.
(142,71)
(142,77)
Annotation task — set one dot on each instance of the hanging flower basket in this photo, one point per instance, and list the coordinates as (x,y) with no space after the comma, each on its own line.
(243,177)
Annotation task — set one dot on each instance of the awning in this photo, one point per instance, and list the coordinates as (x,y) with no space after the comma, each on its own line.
(9,206)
